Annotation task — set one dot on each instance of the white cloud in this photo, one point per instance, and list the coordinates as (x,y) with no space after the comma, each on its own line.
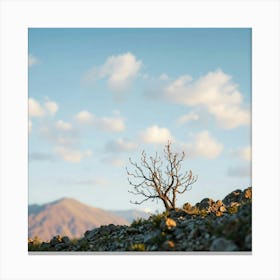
(32,60)
(121,145)
(216,93)
(34,108)
(186,118)
(203,145)
(244,153)
(61,125)
(84,117)
(51,107)
(120,70)
(29,126)
(155,134)
(70,155)
(115,124)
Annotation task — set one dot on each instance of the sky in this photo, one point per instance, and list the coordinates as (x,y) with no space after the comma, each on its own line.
(98,97)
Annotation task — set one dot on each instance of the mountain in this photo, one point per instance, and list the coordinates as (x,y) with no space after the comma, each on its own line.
(69,217)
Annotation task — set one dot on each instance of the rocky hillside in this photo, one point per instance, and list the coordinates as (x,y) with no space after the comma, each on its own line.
(223,225)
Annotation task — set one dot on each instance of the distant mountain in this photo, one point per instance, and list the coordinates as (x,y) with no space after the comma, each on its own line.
(69,217)
(131,215)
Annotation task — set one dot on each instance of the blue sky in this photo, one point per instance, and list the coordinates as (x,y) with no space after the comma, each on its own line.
(100,96)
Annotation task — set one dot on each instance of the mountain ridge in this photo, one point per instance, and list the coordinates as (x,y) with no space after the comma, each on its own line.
(68,216)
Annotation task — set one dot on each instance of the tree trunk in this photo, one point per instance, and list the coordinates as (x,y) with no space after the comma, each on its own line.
(167,205)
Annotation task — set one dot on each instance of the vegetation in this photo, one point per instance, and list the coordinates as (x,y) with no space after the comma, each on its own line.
(152,181)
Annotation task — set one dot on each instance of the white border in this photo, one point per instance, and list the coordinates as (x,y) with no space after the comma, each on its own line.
(17,16)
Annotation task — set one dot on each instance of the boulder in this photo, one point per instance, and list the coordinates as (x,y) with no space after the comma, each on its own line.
(235,196)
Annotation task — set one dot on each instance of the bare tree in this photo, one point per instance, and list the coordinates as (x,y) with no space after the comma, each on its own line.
(153,181)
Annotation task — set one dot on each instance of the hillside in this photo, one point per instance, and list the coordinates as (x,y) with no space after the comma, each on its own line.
(67,217)
(222,225)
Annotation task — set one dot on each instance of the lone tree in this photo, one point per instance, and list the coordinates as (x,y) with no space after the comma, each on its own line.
(157,179)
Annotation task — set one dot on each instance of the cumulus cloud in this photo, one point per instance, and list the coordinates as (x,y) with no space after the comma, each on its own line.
(188,117)
(84,117)
(156,135)
(61,125)
(216,93)
(32,60)
(71,155)
(35,109)
(119,70)
(121,145)
(115,124)
(240,171)
(51,107)
(203,145)
(244,153)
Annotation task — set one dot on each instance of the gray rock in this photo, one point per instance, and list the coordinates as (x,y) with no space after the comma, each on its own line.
(90,234)
(248,242)
(132,230)
(65,239)
(205,203)
(222,244)
(235,196)
(151,236)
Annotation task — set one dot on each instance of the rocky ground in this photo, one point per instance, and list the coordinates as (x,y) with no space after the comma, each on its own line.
(223,225)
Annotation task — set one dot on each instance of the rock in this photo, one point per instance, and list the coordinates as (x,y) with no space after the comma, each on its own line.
(179,234)
(90,234)
(247,194)
(219,214)
(168,223)
(234,204)
(187,207)
(194,233)
(152,236)
(222,244)
(205,203)
(60,246)
(65,239)
(168,245)
(248,242)
(219,203)
(55,240)
(234,196)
